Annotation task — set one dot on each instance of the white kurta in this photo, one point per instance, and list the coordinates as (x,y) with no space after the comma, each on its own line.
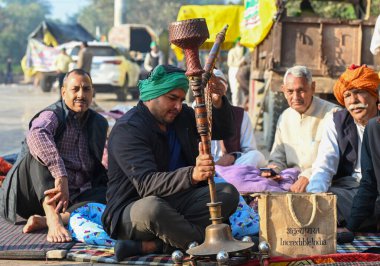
(234,59)
(298,136)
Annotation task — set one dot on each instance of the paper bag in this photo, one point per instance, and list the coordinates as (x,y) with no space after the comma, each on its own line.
(298,224)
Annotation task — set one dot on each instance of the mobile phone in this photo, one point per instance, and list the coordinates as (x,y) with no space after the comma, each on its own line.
(269,170)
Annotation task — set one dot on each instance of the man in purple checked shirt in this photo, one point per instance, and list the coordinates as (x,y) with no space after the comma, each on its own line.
(59,167)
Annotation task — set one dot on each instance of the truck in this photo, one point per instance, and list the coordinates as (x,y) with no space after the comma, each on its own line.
(42,49)
(327,46)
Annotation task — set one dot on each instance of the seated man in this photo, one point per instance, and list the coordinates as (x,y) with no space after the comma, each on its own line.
(337,167)
(60,163)
(157,196)
(241,148)
(299,127)
(365,207)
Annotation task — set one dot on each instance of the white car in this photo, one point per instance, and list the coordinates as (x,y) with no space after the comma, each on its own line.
(110,70)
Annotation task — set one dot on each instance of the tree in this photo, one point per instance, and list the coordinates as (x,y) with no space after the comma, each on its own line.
(18,18)
(99,13)
(324,9)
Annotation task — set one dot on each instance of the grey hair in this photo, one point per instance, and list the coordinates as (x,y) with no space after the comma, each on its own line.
(299,72)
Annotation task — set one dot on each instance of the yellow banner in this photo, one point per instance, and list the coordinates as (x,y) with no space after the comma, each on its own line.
(258,20)
(252,22)
(217,16)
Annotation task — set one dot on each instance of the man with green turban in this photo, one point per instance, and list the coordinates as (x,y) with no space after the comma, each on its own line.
(154,58)
(157,190)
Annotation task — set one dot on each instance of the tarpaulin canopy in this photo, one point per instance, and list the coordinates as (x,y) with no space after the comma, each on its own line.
(53,34)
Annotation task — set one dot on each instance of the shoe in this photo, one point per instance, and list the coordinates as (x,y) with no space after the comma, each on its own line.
(345,237)
(127,248)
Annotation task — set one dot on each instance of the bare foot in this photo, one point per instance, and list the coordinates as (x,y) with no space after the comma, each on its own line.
(57,232)
(34,223)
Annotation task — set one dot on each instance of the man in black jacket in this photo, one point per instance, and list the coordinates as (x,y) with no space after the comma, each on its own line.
(365,207)
(60,163)
(157,194)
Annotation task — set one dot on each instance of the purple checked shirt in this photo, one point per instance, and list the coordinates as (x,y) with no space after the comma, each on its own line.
(69,157)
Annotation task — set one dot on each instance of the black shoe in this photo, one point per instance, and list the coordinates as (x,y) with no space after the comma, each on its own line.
(127,248)
(344,237)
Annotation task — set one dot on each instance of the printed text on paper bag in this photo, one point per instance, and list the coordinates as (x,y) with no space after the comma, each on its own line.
(303,240)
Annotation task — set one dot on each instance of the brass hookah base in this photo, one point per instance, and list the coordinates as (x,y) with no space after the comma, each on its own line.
(218,236)
(219,247)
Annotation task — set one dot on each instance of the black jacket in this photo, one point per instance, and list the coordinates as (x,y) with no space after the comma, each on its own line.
(138,155)
(363,205)
(97,132)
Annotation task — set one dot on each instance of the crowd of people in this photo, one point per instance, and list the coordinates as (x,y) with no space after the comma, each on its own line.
(153,196)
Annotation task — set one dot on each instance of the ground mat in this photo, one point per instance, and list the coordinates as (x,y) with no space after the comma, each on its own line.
(89,253)
(16,245)
(361,243)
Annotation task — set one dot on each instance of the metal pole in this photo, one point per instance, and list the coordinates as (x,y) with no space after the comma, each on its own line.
(119,12)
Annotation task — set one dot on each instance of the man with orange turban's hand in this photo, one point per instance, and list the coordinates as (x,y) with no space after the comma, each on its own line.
(337,167)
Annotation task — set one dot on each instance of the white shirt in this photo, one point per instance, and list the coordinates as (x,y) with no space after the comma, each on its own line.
(298,136)
(235,56)
(375,41)
(327,161)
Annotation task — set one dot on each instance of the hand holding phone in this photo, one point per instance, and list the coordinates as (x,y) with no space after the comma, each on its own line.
(268,172)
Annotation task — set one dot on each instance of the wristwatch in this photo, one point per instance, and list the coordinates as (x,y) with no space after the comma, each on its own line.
(236,155)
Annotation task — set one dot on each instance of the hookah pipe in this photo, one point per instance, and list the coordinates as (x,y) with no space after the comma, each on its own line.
(190,35)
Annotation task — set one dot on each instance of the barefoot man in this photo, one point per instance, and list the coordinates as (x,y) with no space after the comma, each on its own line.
(59,167)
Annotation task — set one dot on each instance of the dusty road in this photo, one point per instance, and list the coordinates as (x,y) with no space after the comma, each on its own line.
(18,104)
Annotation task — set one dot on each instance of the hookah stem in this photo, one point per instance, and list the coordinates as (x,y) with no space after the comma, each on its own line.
(202,123)
(208,68)
(211,59)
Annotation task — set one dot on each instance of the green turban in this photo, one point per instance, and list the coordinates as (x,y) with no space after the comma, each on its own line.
(162,80)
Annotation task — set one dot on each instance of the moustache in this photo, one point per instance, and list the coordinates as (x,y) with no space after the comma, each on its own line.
(80,100)
(357,106)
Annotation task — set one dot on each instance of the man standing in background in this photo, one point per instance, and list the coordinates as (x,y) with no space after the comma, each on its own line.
(234,60)
(84,58)
(154,58)
(62,64)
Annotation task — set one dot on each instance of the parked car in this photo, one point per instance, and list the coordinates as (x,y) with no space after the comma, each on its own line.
(111,71)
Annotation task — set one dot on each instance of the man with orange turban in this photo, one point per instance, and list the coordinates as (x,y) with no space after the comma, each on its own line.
(337,167)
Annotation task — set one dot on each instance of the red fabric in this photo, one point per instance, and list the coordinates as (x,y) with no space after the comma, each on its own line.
(4,169)
(4,166)
(353,66)
(319,259)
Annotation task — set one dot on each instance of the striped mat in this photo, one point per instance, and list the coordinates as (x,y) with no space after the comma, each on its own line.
(16,245)
(361,243)
(89,253)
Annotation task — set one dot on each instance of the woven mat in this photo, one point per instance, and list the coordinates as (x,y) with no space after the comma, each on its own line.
(16,245)
(89,253)
(361,243)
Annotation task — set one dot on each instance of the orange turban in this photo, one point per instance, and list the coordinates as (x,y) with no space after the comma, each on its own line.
(356,77)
